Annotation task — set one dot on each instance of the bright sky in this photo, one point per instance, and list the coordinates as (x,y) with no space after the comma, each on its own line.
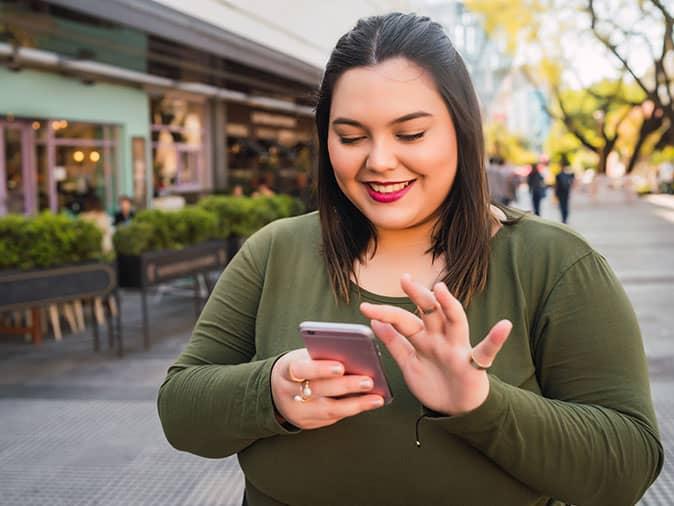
(589,61)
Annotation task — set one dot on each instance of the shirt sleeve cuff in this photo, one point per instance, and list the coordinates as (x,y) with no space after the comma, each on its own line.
(485,417)
(266,411)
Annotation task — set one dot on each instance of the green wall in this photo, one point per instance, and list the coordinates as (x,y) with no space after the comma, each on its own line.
(31,93)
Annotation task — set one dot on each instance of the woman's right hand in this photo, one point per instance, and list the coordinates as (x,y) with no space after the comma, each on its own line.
(327,381)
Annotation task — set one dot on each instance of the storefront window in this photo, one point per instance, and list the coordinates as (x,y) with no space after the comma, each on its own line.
(268,148)
(57,165)
(179,144)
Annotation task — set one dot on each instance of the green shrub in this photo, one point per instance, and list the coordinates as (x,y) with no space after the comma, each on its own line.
(233,213)
(242,216)
(214,217)
(134,238)
(153,229)
(47,240)
(14,242)
(194,225)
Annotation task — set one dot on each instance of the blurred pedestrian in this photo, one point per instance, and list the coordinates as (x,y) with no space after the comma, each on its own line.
(564,183)
(511,183)
(405,240)
(125,213)
(537,188)
(95,214)
(495,179)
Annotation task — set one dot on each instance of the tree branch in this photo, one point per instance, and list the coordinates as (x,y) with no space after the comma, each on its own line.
(667,45)
(663,9)
(567,119)
(611,47)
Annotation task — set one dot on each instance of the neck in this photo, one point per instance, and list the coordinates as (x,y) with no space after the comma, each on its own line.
(415,240)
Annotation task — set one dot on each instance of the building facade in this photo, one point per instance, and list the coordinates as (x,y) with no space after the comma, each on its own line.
(154,97)
(100,99)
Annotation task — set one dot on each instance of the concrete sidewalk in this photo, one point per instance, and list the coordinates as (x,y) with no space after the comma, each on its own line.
(80,428)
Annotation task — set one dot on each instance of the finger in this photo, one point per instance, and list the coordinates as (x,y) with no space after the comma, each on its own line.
(425,300)
(485,352)
(301,370)
(337,409)
(345,385)
(452,309)
(406,323)
(399,347)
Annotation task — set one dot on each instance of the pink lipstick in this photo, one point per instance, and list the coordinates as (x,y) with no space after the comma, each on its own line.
(386,198)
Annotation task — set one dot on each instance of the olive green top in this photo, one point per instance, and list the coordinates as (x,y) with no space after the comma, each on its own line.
(569,413)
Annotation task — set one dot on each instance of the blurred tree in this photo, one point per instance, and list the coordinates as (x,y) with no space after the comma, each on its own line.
(658,82)
(502,143)
(635,114)
(596,117)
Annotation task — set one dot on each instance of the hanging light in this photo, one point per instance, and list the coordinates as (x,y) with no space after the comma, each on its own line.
(94,156)
(78,156)
(36,125)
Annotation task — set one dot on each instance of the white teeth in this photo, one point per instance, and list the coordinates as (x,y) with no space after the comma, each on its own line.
(388,188)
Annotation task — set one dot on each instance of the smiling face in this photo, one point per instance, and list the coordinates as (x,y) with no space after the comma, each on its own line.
(392,143)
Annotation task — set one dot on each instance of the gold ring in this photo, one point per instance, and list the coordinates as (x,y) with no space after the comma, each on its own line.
(293,378)
(477,365)
(428,311)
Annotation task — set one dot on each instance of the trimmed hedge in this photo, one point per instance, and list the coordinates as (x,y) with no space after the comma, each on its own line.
(242,216)
(213,217)
(47,240)
(153,229)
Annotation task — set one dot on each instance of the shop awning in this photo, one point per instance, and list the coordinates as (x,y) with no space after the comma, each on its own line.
(163,21)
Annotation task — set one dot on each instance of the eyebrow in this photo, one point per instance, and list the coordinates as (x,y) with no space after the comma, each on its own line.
(401,119)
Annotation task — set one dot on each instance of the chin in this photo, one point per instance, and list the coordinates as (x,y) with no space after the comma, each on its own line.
(391,224)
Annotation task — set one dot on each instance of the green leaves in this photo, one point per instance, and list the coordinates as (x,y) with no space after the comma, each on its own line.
(242,216)
(47,240)
(214,217)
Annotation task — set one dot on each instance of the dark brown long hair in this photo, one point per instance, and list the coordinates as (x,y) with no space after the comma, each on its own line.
(464,227)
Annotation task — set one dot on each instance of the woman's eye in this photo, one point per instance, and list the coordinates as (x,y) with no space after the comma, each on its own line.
(410,137)
(350,140)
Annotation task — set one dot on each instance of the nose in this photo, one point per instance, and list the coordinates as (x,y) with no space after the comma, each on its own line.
(382,156)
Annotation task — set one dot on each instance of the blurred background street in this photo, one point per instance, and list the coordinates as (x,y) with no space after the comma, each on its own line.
(142,140)
(82,428)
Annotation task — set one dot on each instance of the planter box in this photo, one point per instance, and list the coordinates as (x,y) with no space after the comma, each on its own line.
(40,287)
(22,290)
(155,267)
(234,244)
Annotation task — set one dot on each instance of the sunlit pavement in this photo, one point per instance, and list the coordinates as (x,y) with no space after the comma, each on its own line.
(80,428)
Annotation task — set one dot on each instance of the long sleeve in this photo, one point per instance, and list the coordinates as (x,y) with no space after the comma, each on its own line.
(216,399)
(591,437)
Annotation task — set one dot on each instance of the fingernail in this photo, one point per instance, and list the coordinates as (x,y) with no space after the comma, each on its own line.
(378,403)
(338,370)
(366,384)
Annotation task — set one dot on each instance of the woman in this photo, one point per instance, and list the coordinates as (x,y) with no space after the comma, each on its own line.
(405,239)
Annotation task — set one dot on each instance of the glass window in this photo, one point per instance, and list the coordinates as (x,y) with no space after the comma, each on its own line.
(178,144)
(14,170)
(78,158)
(80,177)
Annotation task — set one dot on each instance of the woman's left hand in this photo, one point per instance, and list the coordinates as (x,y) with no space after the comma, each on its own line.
(434,351)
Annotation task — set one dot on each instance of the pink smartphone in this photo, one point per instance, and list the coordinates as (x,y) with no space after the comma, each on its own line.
(351,344)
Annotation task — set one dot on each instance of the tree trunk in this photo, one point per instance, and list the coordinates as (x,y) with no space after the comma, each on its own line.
(603,153)
(648,126)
